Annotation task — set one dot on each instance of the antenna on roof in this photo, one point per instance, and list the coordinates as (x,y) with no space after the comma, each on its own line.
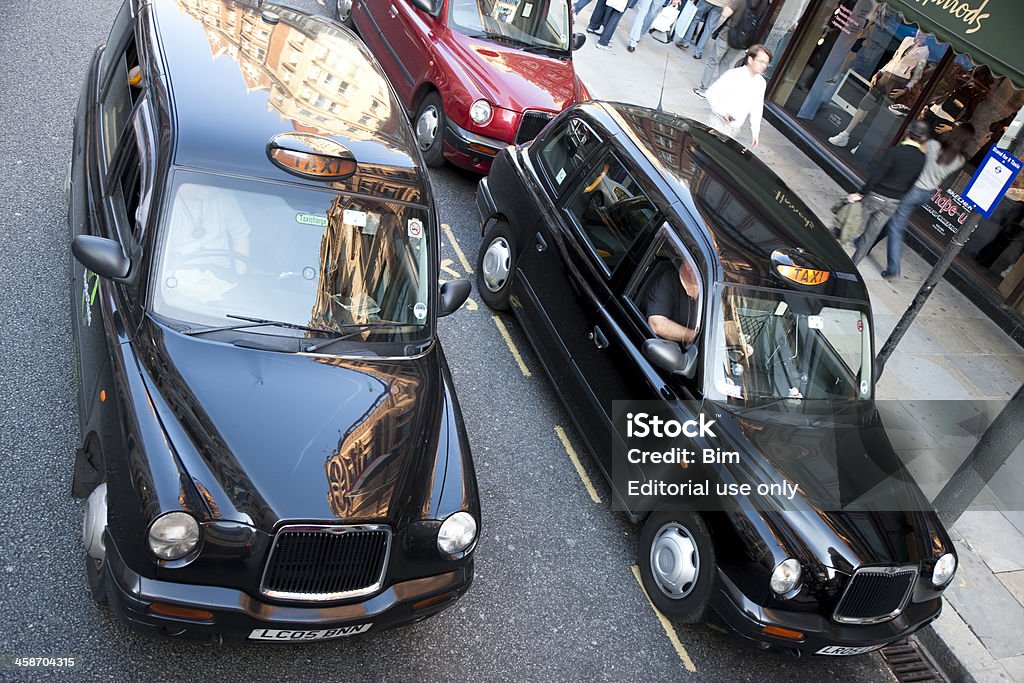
(664,76)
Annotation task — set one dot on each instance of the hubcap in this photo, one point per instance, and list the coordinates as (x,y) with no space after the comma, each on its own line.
(344,9)
(497,260)
(426,128)
(674,561)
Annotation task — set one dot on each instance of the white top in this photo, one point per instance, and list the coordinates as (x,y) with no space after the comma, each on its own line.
(933,172)
(737,94)
(907,60)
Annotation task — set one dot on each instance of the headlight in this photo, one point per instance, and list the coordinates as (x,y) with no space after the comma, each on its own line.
(944,570)
(786,576)
(480,112)
(457,533)
(174,535)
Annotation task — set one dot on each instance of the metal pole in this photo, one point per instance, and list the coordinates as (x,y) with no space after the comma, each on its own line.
(1002,438)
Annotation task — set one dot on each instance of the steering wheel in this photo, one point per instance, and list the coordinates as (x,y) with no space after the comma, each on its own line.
(213,254)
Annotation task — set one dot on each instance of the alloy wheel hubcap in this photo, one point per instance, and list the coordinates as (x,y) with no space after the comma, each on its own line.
(497,260)
(426,128)
(674,561)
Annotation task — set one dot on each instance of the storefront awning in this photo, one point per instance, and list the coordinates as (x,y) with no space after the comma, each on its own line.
(988,31)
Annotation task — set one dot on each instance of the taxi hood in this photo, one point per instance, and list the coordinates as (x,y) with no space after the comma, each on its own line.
(514,79)
(856,503)
(287,436)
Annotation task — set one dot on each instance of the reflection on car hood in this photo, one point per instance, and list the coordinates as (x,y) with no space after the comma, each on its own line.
(858,503)
(514,79)
(297,437)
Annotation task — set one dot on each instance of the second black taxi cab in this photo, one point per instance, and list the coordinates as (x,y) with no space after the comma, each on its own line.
(272,448)
(665,276)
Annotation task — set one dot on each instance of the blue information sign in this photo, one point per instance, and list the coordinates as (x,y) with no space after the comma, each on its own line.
(991,181)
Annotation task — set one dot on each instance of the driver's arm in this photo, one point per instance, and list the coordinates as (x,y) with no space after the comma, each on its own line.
(666,328)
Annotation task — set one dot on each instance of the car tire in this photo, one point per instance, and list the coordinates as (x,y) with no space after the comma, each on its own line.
(429,128)
(677,564)
(343,12)
(495,266)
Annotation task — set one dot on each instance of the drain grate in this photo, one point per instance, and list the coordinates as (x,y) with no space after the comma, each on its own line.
(911,664)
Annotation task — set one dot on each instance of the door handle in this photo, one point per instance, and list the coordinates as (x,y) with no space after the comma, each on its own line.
(541,244)
(393,12)
(597,336)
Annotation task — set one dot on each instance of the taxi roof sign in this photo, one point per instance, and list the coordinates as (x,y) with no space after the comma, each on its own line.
(311,156)
(798,269)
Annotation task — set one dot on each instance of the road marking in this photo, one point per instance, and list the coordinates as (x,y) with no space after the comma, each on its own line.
(670,631)
(446,266)
(470,304)
(512,346)
(577,464)
(458,250)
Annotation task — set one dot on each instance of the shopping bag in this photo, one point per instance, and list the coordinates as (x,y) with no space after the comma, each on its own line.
(661,27)
(617,5)
(846,224)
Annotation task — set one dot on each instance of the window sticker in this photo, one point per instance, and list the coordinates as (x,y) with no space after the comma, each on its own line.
(781,308)
(730,388)
(420,310)
(864,387)
(415,228)
(353,217)
(815,322)
(527,11)
(311,219)
(560,176)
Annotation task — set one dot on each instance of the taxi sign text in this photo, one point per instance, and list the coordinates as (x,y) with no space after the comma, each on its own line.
(803,276)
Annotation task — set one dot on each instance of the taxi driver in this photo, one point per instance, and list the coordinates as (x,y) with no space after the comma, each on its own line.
(672,303)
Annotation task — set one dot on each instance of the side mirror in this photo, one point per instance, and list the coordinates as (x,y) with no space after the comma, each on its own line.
(452,295)
(431,7)
(577,40)
(102,256)
(667,355)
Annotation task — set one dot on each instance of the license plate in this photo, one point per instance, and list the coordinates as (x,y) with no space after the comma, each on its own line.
(291,636)
(843,651)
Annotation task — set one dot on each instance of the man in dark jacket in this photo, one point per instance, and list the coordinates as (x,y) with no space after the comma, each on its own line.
(889,181)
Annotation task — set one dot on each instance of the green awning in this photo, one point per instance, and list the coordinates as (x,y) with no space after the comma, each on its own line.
(988,31)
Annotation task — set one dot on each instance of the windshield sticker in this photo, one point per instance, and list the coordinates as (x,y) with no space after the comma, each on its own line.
(730,388)
(864,386)
(815,322)
(415,228)
(360,305)
(860,326)
(420,310)
(795,393)
(560,176)
(781,308)
(311,219)
(527,11)
(353,217)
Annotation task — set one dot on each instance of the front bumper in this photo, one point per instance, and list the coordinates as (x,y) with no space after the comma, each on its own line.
(236,613)
(469,150)
(749,620)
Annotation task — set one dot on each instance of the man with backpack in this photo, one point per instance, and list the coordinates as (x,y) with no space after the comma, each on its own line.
(737,32)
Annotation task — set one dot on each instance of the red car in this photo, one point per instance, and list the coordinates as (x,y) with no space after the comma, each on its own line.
(476,75)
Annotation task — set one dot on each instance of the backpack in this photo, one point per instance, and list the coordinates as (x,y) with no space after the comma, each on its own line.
(744,25)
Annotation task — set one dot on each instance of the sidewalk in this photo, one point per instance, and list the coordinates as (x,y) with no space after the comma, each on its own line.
(947,379)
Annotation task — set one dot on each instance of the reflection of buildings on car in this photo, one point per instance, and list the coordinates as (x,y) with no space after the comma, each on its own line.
(827,52)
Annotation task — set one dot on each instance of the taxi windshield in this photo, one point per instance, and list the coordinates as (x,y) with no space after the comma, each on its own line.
(520,23)
(778,344)
(232,248)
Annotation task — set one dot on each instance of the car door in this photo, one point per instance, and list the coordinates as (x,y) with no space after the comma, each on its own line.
(401,36)
(568,270)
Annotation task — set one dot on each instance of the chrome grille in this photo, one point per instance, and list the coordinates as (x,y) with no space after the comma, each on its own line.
(326,562)
(531,124)
(875,594)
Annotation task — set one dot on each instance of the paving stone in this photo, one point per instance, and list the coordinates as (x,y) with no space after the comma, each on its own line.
(987,373)
(928,377)
(1014,667)
(994,539)
(949,336)
(961,641)
(1014,582)
(977,595)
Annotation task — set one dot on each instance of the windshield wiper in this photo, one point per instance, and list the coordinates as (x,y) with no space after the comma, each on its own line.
(255,322)
(356,328)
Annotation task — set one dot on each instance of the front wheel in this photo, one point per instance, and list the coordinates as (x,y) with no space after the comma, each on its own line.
(677,564)
(343,11)
(429,127)
(495,265)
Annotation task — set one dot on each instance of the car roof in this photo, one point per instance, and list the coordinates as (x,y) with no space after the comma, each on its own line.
(746,211)
(238,79)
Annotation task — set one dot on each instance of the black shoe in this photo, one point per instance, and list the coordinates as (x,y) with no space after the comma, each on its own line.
(594,31)
(886,275)
(697,56)
(699,93)
(631,48)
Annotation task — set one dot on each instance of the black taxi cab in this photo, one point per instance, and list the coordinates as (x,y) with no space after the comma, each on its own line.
(272,448)
(665,276)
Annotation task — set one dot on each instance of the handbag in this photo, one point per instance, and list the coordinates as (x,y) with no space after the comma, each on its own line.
(617,5)
(663,25)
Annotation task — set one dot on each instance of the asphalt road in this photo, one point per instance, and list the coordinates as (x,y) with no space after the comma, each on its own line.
(554,598)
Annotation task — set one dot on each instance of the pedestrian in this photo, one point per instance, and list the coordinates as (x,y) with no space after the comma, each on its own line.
(606,14)
(724,54)
(739,93)
(646,12)
(889,181)
(942,156)
(708,12)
